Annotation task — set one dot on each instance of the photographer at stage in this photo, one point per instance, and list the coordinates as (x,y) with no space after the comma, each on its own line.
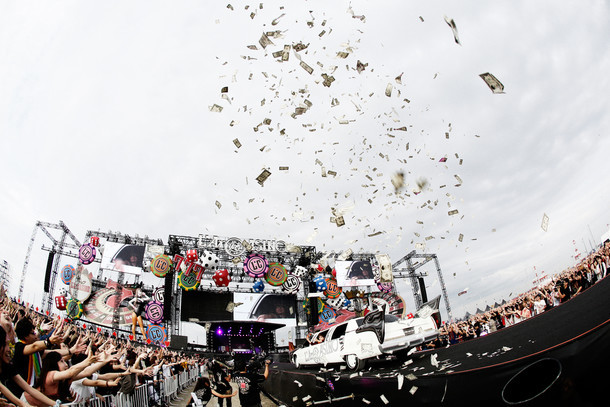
(247,377)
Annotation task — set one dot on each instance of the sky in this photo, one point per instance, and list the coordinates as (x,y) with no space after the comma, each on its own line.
(108,121)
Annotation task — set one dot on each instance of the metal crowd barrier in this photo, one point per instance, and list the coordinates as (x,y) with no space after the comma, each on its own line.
(168,390)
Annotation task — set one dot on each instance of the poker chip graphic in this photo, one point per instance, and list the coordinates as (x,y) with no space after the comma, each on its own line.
(256,265)
(86,253)
(292,284)
(67,273)
(276,275)
(161,265)
(327,315)
(156,333)
(332,289)
(74,309)
(154,312)
(159,294)
(384,287)
(188,282)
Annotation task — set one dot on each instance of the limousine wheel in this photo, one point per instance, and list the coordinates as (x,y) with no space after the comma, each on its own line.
(353,362)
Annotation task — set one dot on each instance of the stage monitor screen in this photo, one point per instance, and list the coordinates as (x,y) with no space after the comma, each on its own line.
(269,307)
(121,257)
(206,306)
(354,273)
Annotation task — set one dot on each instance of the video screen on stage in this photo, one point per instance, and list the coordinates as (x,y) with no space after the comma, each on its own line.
(264,307)
(207,306)
(121,257)
(354,273)
(269,307)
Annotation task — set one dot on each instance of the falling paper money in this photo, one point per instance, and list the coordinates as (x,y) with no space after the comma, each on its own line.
(545,222)
(385,267)
(340,221)
(360,66)
(263,177)
(286,53)
(308,68)
(401,379)
(398,180)
(494,84)
(451,24)
(264,41)
(388,90)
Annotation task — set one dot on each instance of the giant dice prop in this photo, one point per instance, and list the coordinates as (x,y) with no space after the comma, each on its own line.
(95,241)
(61,302)
(209,260)
(320,282)
(259,286)
(222,278)
(191,255)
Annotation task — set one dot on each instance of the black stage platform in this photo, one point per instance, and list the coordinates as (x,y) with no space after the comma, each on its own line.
(557,358)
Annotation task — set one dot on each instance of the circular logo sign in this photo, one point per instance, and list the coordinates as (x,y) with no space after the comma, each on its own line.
(86,253)
(80,285)
(384,287)
(67,272)
(234,248)
(276,275)
(332,289)
(159,294)
(154,312)
(156,333)
(256,265)
(188,282)
(74,309)
(327,315)
(292,284)
(160,265)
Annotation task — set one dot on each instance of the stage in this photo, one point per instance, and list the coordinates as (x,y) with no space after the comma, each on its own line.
(555,357)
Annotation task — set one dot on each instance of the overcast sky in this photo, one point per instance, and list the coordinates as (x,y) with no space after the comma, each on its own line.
(106,123)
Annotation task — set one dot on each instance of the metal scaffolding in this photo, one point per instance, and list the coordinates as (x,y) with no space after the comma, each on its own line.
(58,248)
(419,293)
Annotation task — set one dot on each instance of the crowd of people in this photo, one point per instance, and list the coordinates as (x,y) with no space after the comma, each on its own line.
(47,361)
(563,286)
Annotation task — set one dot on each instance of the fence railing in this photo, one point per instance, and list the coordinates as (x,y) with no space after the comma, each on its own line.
(146,395)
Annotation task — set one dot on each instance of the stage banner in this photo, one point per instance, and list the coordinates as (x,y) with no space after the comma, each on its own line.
(354,274)
(123,258)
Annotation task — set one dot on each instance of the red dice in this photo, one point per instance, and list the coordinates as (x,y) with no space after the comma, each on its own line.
(221,278)
(95,241)
(60,302)
(191,255)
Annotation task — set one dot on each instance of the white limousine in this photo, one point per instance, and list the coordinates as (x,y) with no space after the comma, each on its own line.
(358,339)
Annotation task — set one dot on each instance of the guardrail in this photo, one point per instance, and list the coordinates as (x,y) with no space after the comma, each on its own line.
(147,394)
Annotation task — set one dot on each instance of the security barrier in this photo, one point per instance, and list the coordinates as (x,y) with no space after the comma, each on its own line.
(146,395)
